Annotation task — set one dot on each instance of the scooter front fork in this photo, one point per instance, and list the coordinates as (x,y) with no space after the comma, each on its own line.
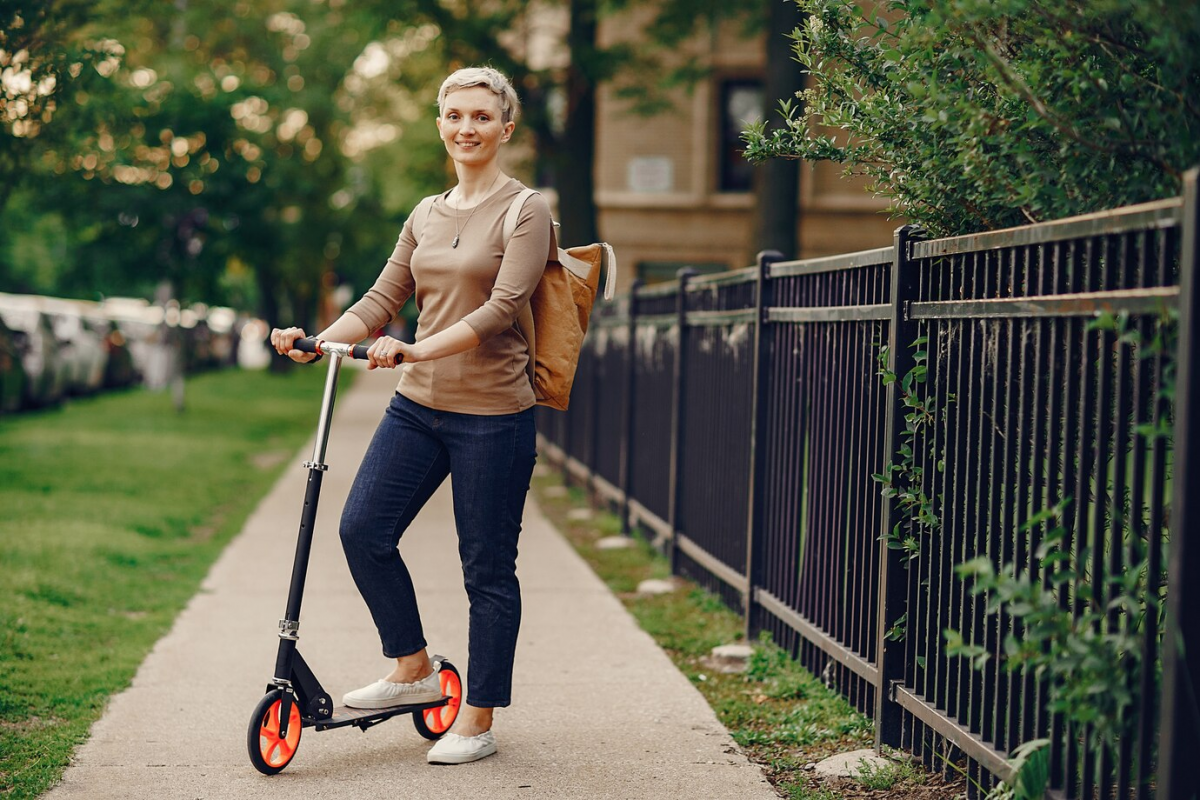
(301,686)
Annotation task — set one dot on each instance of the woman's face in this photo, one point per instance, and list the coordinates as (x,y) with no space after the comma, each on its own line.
(471,126)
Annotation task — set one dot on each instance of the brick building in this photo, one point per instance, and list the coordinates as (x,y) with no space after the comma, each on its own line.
(673,190)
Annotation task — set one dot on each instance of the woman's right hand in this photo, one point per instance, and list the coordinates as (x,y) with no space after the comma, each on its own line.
(282,341)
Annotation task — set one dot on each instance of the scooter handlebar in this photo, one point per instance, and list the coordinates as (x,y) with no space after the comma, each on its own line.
(311,345)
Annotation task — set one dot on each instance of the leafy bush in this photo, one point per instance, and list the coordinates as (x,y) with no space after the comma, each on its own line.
(978,114)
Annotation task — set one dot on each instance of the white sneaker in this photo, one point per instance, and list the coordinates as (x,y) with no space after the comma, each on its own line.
(455,749)
(385,694)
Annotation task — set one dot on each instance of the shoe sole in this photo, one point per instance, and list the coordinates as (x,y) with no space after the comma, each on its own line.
(391,703)
(463,758)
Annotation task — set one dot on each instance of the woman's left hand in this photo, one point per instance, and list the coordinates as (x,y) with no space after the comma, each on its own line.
(389,353)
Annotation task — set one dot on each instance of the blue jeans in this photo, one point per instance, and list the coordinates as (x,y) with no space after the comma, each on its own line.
(413,451)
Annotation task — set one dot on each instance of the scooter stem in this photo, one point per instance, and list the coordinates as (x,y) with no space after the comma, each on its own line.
(290,624)
(331,377)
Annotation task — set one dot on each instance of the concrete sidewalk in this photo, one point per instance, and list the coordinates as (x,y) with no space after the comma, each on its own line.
(599,711)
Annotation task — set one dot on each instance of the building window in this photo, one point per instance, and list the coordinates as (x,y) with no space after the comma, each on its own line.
(741,104)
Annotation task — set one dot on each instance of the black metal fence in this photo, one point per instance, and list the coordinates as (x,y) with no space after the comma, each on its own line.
(1013,392)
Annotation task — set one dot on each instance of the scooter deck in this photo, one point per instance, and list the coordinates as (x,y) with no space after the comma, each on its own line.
(366,717)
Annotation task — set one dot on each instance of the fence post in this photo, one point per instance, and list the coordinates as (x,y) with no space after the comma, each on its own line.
(593,428)
(893,588)
(1179,733)
(626,477)
(758,428)
(566,437)
(677,412)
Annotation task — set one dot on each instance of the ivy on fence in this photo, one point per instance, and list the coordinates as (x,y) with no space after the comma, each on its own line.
(1086,663)
(902,477)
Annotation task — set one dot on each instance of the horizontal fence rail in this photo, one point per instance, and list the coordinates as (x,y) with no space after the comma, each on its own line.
(824,443)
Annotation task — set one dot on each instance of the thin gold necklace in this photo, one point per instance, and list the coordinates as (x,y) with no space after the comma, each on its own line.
(486,194)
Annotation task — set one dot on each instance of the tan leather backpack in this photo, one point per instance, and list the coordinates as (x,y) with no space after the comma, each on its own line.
(556,319)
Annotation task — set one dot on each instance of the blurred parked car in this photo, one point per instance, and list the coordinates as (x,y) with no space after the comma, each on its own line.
(44,367)
(82,348)
(197,342)
(50,346)
(221,322)
(137,322)
(12,372)
(119,371)
(253,352)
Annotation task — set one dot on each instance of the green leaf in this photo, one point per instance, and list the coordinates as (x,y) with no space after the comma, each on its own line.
(979,566)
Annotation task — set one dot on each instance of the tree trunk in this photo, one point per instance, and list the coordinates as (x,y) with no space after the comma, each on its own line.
(777,190)
(535,116)
(268,309)
(577,150)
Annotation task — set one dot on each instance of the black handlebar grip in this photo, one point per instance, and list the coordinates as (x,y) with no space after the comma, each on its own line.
(309,345)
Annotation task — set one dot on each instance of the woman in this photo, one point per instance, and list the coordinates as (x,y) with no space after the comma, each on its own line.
(464,405)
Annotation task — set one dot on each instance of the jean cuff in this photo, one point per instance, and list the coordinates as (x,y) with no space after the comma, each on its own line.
(488,704)
(402,652)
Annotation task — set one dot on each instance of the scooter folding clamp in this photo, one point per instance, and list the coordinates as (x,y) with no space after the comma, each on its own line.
(289,629)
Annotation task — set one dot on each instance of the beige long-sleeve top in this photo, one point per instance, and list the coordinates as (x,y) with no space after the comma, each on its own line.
(480,282)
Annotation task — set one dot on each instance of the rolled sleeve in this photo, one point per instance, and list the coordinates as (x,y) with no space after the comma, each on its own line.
(392,288)
(522,267)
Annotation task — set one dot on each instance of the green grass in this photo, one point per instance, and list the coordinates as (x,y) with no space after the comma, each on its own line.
(781,716)
(887,777)
(113,510)
(802,791)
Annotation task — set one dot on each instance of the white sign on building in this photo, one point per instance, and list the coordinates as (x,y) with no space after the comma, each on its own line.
(650,174)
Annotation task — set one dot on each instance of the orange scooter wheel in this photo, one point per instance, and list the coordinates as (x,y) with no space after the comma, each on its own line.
(270,752)
(433,722)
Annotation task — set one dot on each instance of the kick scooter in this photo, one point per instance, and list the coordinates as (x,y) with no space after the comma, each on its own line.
(295,698)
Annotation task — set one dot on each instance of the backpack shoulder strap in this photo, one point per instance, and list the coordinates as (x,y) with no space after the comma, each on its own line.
(514,213)
(524,320)
(420,214)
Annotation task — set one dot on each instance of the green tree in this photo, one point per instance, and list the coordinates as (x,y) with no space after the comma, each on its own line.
(978,114)
(43,51)
(777,189)
(244,150)
(229,150)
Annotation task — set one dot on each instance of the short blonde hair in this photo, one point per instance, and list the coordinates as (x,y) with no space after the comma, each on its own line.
(492,80)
